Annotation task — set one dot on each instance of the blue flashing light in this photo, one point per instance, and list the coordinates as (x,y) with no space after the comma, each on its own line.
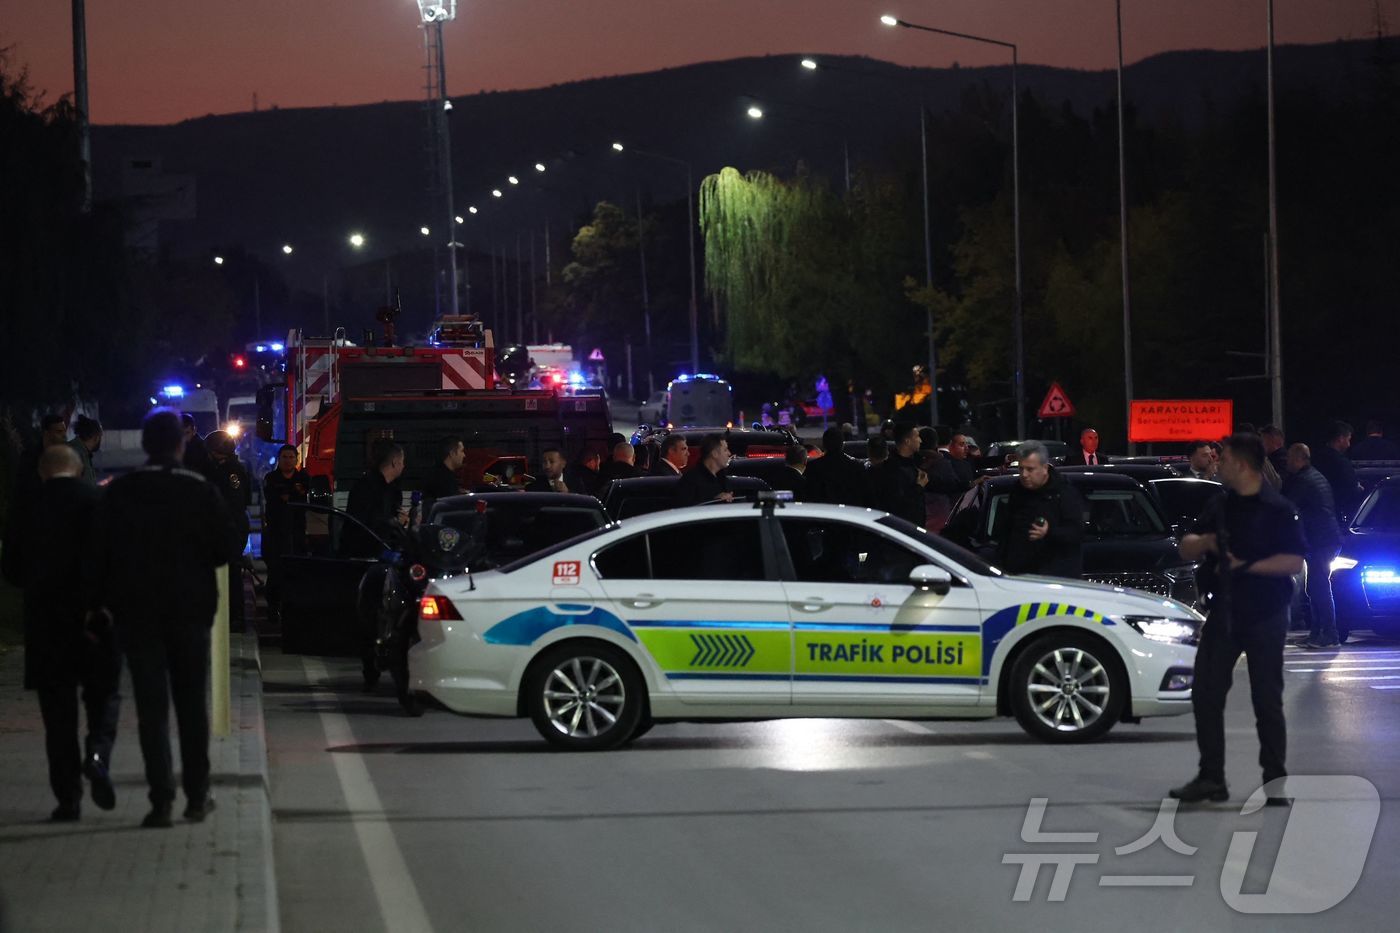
(575,379)
(277,348)
(261,348)
(173,391)
(1380,576)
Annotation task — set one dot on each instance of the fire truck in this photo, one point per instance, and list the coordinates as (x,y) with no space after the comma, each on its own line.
(338,398)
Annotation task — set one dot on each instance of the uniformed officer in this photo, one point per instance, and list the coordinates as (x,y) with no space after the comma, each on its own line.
(283,527)
(1255,544)
(45,549)
(160,535)
(230,477)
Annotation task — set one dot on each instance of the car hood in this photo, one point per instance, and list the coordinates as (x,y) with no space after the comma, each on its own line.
(1108,555)
(1099,597)
(1363,545)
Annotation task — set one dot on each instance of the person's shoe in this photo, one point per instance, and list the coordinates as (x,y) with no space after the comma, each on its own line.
(196,812)
(66,813)
(103,793)
(371,680)
(1199,789)
(158,818)
(1317,644)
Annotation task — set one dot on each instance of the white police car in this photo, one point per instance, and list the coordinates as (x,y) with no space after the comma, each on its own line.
(738,612)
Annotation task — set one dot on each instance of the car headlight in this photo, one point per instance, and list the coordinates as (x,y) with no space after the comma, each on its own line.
(1164,629)
(1342,563)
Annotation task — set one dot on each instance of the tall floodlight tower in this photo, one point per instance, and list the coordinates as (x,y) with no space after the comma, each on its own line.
(433,13)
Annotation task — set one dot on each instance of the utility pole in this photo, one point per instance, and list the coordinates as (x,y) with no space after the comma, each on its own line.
(80,98)
(1123,234)
(646,298)
(1275,317)
(928,270)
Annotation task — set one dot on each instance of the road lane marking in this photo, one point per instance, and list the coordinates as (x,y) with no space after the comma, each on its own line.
(1385,686)
(1342,670)
(914,727)
(1347,680)
(399,904)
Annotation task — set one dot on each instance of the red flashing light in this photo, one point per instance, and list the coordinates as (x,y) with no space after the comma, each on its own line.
(240,362)
(439,608)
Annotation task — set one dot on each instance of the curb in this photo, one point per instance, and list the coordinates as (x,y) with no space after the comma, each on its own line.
(257,876)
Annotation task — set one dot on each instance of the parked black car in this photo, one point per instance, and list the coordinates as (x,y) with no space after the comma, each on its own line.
(1366,574)
(1181,499)
(626,498)
(1127,540)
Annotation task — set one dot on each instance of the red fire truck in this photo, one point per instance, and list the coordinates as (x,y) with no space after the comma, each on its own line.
(338,398)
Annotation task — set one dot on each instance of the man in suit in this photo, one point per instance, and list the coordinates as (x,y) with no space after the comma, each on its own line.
(622,465)
(675,454)
(1088,452)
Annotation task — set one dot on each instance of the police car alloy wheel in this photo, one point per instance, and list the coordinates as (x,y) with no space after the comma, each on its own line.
(586,696)
(1067,687)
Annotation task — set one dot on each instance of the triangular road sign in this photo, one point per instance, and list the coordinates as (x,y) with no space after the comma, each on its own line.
(1056,404)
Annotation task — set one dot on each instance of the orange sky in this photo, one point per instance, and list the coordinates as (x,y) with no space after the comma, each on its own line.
(160,61)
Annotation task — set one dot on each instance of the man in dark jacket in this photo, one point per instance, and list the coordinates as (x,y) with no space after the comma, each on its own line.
(706,483)
(898,483)
(621,466)
(1041,528)
(442,480)
(1312,497)
(376,501)
(1375,445)
(835,477)
(283,527)
(958,449)
(196,456)
(230,478)
(160,535)
(45,549)
(1334,464)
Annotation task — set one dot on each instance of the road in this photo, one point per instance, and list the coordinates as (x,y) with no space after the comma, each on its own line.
(445,823)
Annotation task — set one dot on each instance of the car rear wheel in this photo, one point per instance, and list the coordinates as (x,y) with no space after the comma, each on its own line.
(586,696)
(1067,687)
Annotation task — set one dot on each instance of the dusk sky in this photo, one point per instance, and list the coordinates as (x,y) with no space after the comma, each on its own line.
(161,61)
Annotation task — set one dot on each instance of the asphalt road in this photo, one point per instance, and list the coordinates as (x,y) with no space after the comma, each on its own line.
(446,823)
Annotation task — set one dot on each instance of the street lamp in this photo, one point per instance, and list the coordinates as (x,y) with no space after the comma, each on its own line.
(513,180)
(1018,374)
(432,14)
(472,209)
(690,220)
(810,64)
(357,240)
(459,219)
(755,112)
(539,166)
(286,249)
(218,260)
(495,192)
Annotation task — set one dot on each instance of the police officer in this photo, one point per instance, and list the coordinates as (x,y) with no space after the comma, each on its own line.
(377,502)
(45,549)
(230,478)
(1255,542)
(283,527)
(160,535)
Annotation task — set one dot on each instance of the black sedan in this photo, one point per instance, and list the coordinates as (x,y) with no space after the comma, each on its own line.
(1181,499)
(1366,574)
(1127,540)
(627,498)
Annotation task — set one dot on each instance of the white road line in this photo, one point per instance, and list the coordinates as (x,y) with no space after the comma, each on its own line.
(1385,686)
(1341,670)
(1344,680)
(394,889)
(914,727)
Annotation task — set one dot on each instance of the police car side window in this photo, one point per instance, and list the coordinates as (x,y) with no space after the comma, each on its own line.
(838,552)
(729,549)
(626,560)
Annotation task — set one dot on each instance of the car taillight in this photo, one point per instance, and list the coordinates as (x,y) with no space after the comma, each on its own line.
(437,607)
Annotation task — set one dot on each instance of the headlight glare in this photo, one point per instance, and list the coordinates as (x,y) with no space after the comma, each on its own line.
(1164,629)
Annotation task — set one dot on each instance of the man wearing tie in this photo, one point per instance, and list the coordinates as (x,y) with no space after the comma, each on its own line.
(1088,452)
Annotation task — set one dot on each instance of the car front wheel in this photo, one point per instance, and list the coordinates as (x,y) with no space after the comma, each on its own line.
(586,697)
(1067,687)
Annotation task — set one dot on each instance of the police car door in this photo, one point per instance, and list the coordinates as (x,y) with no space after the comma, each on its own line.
(705,602)
(862,633)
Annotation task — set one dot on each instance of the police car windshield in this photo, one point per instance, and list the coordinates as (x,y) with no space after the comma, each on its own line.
(963,557)
(1381,512)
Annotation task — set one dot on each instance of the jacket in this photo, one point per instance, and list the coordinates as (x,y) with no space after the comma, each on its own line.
(1312,497)
(896,489)
(1059,553)
(699,486)
(1341,476)
(837,479)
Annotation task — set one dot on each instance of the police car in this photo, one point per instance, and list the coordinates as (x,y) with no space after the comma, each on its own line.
(747,612)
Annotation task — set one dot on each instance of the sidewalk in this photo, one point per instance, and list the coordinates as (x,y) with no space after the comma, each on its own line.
(105,872)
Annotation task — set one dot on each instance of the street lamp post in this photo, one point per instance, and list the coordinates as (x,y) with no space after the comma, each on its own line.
(1275,319)
(690,223)
(433,14)
(757,111)
(1123,231)
(1017,324)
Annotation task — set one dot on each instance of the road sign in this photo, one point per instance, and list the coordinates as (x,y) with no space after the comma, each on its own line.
(1182,420)
(596,356)
(1056,404)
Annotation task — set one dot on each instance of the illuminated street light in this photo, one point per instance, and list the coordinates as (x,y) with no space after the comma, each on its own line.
(459,219)
(756,112)
(218,260)
(357,240)
(539,166)
(424,230)
(889,20)
(617,146)
(810,64)
(495,192)
(472,209)
(513,180)
(286,249)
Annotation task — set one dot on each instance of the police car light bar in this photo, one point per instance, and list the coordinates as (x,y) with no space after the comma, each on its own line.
(772,498)
(173,391)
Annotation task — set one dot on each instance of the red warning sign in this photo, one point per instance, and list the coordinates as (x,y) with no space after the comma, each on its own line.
(566,572)
(1056,404)
(1192,419)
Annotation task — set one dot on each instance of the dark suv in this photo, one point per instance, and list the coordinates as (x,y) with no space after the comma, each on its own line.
(1127,541)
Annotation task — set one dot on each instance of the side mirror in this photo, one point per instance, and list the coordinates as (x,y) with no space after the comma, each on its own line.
(931,577)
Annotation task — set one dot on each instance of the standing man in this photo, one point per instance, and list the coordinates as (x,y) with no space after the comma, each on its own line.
(377,502)
(1253,535)
(160,535)
(442,481)
(552,469)
(284,528)
(1334,464)
(1375,445)
(230,478)
(899,485)
(196,455)
(675,455)
(1312,497)
(621,466)
(835,477)
(1088,452)
(87,440)
(793,477)
(958,450)
(585,477)
(1275,448)
(45,551)
(53,430)
(1201,459)
(706,483)
(1041,528)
